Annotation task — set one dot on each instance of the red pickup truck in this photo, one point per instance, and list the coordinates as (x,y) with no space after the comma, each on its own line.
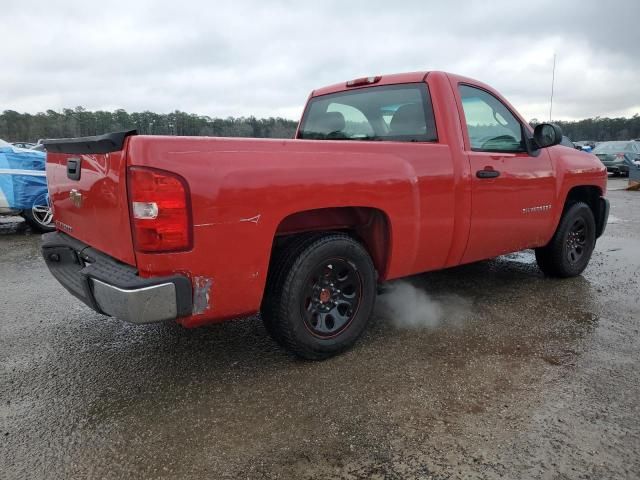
(387,176)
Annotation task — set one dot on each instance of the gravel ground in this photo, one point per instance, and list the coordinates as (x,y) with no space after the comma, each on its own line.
(510,375)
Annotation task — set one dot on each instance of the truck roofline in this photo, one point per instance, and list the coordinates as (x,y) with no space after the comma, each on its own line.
(409,77)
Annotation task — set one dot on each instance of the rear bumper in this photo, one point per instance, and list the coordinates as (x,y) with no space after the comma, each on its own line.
(114,288)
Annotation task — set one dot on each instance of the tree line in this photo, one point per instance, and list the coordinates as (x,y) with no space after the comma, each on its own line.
(599,129)
(79,122)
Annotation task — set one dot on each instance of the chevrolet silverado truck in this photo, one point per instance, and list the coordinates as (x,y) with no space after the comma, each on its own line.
(387,176)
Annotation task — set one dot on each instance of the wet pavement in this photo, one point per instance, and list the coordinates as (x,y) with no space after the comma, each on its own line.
(512,376)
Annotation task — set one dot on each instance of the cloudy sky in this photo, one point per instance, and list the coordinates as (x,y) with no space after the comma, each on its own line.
(252,57)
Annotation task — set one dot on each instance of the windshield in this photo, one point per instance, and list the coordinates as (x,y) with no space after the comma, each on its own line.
(396,112)
(610,147)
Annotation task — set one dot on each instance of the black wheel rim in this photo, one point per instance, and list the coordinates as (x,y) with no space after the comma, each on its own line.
(576,245)
(332,296)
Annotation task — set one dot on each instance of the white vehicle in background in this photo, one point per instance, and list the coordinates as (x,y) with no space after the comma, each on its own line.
(23,186)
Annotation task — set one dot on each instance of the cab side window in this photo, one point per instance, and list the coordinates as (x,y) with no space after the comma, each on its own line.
(490,124)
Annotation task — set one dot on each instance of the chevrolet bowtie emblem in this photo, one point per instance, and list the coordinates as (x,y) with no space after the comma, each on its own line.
(76,198)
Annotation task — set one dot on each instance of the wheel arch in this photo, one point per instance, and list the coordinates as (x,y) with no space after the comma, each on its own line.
(592,196)
(368,225)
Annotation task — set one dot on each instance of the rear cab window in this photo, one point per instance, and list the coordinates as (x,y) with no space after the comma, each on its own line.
(385,113)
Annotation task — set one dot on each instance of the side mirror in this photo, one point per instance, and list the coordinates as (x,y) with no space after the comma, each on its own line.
(547,135)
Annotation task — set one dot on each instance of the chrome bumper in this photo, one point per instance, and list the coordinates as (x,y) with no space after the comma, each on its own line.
(113,288)
(139,305)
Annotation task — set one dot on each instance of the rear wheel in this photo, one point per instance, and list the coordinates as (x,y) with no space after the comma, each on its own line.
(320,295)
(570,249)
(40,215)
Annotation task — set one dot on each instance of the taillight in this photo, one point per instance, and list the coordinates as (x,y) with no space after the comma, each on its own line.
(619,155)
(160,210)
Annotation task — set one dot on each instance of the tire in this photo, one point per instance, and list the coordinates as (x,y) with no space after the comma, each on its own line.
(320,295)
(39,216)
(570,248)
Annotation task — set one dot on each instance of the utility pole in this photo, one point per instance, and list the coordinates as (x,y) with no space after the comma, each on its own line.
(553,80)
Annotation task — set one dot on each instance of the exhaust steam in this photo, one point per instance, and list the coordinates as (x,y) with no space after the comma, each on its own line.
(406,306)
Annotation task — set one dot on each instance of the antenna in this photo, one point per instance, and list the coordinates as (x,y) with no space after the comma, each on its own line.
(553,80)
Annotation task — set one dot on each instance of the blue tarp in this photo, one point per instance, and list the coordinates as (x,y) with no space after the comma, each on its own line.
(23,181)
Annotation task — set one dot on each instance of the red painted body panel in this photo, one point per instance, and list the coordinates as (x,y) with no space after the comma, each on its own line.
(236,214)
(102,220)
(245,192)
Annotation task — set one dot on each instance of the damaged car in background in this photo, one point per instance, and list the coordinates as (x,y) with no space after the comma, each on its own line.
(23,186)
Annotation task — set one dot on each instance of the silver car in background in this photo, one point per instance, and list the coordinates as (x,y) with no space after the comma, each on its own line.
(618,156)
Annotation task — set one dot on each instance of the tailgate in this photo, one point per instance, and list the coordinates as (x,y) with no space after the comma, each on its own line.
(88,191)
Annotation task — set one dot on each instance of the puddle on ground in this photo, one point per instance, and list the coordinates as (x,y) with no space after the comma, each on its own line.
(527,257)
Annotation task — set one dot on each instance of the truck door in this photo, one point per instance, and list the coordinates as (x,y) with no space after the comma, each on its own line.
(512,191)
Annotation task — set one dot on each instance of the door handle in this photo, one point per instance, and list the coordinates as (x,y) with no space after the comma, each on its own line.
(487,173)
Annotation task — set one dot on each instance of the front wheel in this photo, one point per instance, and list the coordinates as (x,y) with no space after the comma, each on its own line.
(320,295)
(570,249)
